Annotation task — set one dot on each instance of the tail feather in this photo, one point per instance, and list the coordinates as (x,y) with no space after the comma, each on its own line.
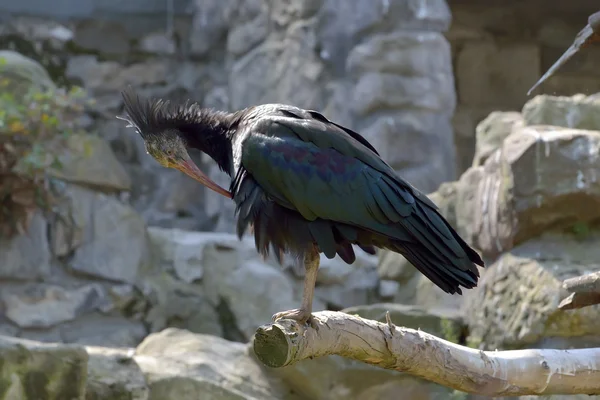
(437,250)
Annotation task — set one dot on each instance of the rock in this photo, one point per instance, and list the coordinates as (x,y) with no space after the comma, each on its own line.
(46,335)
(7,328)
(393,266)
(217,98)
(429,296)
(26,256)
(384,91)
(178,364)
(89,160)
(181,305)
(32,370)
(158,43)
(286,12)
(248,27)
(341,24)
(114,374)
(253,290)
(444,323)
(43,306)
(113,240)
(222,212)
(244,38)
(529,186)
(395,106)
(387,289)
(102,36)
(180,247)
(578,111)
(425,133)
(39,30)
(122,296)
(507,71)
(337,378)
(464,123)
(280,71)
(104,77)
(492,131)
(336,271)
(360,287)
(23,72)
(95,329)
(515,304)
(403,53)
(209,25)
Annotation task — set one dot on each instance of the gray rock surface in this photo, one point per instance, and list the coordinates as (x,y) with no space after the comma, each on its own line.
(578,111)
(27,257)
(492,131)
(516,304)
(38,306)
(114,374)
(33,370)
(114,244)
(182,365)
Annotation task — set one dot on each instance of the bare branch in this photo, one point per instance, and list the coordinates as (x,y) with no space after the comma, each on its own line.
(491,373)
(585,291)
(589,34)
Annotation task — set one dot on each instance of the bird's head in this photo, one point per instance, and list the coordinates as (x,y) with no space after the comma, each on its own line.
(160,124)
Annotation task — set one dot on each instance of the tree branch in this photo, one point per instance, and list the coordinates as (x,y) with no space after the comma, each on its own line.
(585,291)
(498,373)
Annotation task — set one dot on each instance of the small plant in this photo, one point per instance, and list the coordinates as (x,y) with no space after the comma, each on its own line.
(33,128)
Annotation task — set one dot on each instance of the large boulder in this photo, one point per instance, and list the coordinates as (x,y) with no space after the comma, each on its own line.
(529,185)
(178,364)
(578,111)
(32,370)
(23,72)
(107,237)
(27,256)
(515,305)
(491,132)
(88,160)
(113,374)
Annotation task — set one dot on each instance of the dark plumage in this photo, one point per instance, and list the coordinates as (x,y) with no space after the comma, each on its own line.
(308,185)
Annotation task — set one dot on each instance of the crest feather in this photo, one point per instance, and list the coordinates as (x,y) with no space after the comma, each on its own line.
(151,117)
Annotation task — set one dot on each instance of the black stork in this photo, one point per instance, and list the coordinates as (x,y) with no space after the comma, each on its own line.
(588,35)
(307,186)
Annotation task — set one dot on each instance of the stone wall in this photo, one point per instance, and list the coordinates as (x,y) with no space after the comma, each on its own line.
(530,204)
(381,68)
(501,48)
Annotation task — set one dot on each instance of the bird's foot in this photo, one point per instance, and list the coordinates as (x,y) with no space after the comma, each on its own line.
(300,315)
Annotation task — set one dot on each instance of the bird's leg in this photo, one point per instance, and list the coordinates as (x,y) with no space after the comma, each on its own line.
(303,314)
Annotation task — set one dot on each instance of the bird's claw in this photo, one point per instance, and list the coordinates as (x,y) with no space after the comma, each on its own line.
(298,314)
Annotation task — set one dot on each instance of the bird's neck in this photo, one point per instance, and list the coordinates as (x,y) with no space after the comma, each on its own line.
(213,136)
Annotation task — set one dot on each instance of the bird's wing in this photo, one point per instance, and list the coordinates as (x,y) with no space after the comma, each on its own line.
(323,172)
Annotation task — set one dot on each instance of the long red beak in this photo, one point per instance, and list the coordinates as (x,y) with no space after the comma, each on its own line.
(189,168)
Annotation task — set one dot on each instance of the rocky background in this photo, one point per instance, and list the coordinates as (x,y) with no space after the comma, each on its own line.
(150,296)
(501,47)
